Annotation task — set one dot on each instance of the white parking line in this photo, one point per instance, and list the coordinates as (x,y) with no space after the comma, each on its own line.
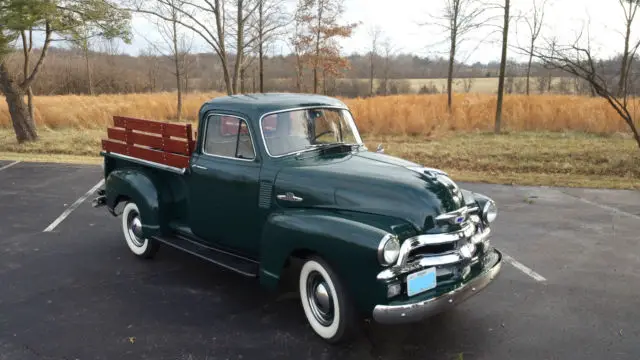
(73,206)
(9,165)
(609,208)
(518,265)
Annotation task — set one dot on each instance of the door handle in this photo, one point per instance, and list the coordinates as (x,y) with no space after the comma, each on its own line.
(200,167)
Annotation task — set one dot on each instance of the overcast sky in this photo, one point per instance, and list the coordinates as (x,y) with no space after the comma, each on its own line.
(399,21)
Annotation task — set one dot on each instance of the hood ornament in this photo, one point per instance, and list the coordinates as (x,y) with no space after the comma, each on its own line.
(289,196)
(443,178)
(380,149)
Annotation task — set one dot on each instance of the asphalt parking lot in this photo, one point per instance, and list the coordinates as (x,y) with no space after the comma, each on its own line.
(571,288)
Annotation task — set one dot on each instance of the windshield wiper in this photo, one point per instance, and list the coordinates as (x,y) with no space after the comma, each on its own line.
(331,146)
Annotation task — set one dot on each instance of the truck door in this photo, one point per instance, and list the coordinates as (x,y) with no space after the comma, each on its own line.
(224,186)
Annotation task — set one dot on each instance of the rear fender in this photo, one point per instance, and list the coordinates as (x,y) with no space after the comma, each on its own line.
(349,246)
(138,187)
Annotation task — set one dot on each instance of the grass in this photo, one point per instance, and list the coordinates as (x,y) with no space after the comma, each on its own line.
(525,158)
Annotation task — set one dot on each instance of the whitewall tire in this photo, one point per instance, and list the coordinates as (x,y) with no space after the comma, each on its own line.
(324,301)
(132,230)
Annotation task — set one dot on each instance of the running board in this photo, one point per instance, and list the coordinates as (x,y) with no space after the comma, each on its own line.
(226,260)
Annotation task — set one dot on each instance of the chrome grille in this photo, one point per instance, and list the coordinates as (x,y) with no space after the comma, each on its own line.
(451,253)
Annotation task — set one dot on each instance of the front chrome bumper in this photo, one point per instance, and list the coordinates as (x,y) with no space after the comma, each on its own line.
(412,312)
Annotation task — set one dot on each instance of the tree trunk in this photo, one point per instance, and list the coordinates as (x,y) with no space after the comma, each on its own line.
(372,72)
(452,55)
(176,59)
(317,53)
(260,44)
(242,80)
(299,73)
(222,50)
(625,59)
(23,124)
(529,67)
(239,47)
(30,105)
(503,65)
(88,67)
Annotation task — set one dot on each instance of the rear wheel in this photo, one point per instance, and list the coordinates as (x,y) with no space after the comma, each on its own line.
(132,230)
(325,302)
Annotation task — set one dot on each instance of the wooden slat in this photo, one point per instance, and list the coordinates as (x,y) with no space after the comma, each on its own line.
(112,146)
(163,143)
(156,127)
(160,157)
(176,160)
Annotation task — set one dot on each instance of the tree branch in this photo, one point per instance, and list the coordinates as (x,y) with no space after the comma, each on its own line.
(47,41)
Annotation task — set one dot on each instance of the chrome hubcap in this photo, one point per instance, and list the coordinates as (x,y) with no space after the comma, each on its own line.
(135,228)
(320,299)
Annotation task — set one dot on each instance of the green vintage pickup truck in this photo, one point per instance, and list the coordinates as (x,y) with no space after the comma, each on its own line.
(276,184)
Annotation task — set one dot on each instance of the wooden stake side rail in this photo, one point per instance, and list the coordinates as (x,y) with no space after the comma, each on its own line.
(160,149)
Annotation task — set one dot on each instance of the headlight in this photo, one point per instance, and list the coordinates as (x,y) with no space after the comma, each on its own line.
(490,211)
(388,250)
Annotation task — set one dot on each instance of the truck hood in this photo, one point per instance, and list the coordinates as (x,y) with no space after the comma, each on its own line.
(371,183)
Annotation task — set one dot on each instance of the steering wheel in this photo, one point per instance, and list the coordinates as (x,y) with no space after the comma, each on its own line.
(323,133)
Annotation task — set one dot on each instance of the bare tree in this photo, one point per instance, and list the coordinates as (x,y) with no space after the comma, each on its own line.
(630,8)
(535,27)
(82,41)
(458,19)
(301,43)
(244,11)
(388,52)
(503,65)
(542,83)
(577,59)
(175,44)
(320,22)
(467,84)
(206,19)
(149,56)
(270,22)
(374,33)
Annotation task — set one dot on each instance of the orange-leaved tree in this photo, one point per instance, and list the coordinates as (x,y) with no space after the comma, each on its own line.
(318,30)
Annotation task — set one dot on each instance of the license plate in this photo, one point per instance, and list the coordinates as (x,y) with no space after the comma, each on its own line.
(421,281)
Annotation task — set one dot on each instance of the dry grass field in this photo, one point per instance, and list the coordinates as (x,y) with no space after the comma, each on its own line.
(424,115)
(548,140)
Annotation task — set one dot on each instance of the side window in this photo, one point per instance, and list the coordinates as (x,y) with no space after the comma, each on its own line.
(228,136)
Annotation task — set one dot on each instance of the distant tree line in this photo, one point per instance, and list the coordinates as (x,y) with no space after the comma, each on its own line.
(65,72)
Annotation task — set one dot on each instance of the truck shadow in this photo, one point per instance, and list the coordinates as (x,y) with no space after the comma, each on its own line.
(237,310)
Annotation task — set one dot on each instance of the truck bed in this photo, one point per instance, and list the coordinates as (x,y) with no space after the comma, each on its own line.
(162,143)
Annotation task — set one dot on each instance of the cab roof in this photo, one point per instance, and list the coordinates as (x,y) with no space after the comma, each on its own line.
(256,105)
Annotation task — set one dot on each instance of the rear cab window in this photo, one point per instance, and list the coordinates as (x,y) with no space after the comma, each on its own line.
(228,136)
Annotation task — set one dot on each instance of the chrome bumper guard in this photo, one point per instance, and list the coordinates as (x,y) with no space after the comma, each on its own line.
(406,313)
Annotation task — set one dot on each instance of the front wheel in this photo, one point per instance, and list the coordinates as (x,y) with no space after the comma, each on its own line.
(132,230)
(325,302)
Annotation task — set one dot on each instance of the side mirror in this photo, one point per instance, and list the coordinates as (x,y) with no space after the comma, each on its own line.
(380,149)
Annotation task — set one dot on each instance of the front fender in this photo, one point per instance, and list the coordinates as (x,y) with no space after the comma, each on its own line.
(139,188)
(348,245)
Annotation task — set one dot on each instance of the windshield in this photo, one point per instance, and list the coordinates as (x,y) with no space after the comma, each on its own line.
(297,130)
